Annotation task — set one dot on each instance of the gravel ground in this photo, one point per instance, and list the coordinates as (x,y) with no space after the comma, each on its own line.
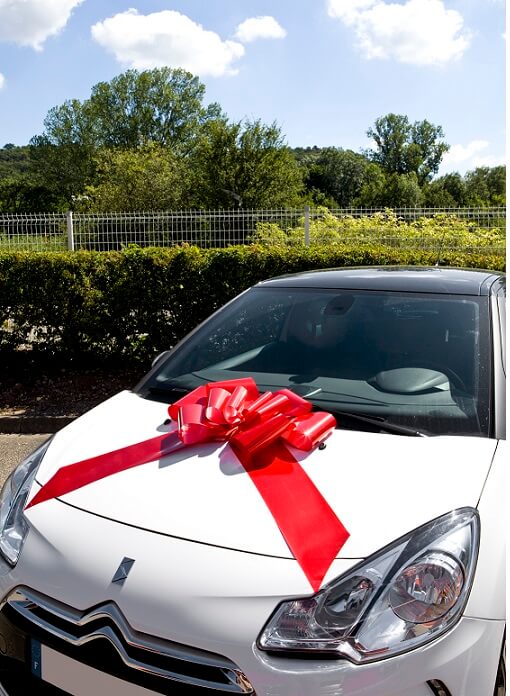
(62,393)
(13,449)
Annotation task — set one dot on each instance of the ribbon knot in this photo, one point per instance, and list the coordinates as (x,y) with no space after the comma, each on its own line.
(235,412)
(259,428)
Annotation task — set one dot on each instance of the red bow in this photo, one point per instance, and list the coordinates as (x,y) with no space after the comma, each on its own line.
(257,427)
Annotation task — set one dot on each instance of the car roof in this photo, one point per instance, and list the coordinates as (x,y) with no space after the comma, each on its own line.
(423,279)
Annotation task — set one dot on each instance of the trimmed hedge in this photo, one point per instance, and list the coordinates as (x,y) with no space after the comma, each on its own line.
(130,305)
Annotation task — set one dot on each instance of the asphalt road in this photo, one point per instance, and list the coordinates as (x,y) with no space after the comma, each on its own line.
(13,448)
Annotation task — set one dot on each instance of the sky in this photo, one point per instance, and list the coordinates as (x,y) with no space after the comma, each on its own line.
(324,70)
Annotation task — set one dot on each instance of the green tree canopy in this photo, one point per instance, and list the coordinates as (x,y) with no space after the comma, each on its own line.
(486,186)
(373,191)
(163,106)
(245,164)
(14,161)
(448,191)
(24,195)
(147,140)
(340,174)
(149,178)
(383,190)
(404,148)
(402,191)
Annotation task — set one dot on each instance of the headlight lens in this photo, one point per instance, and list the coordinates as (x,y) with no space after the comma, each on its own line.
(13,525)
(427,589)
(403,596)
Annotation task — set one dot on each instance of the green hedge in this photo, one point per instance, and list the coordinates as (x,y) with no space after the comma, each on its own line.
(132,304)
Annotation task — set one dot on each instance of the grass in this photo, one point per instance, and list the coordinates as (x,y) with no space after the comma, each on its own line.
(35,242)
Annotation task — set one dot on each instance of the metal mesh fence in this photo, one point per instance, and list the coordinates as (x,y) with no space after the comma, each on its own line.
(466,229)
(211,228)
(34,232)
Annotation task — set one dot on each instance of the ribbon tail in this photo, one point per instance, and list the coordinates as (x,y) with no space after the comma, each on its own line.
(310,527)
(73,476)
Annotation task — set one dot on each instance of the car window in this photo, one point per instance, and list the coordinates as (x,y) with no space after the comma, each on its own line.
(417,359)
(257,323)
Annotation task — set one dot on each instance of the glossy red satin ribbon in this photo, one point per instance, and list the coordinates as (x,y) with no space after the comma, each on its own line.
(257,427)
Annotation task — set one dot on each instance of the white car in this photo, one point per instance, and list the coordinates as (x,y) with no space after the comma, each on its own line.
(304,497)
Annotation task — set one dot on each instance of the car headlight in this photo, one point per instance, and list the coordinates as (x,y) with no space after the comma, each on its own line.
(401,597)
(13,525)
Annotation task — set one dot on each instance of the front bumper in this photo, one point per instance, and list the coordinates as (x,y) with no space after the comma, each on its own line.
(181,594)
(462,663)
(41,636)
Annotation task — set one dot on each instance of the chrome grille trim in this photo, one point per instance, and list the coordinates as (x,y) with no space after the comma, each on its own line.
(26,603)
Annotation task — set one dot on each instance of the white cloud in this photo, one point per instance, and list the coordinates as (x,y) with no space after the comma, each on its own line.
(31,22)
(464,157)
(2,80)
(488,161)
(259,28)
(166,38)
(458,154)
(348,10)
(418,32)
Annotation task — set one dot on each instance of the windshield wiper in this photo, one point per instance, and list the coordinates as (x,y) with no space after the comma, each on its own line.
(171,389)
(381,423)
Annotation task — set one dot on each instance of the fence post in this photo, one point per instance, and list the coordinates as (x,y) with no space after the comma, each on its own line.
(70,230)
(307,225)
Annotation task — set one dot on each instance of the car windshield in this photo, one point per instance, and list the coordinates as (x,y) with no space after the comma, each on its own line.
(418,360)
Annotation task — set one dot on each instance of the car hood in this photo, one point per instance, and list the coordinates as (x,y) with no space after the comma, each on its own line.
(380,486)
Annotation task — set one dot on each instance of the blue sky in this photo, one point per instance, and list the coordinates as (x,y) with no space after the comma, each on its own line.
(324,70)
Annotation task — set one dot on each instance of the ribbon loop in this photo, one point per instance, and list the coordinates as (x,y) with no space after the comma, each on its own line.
(216,402)
(234,406)
(192,424)
(306,432)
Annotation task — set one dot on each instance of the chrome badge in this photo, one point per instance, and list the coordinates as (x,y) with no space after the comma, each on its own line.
(123,570)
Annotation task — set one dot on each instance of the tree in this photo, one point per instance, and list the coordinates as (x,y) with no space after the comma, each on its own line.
(448,191)
(307,156)
(405,148)
(373,191)
(390,191)
(245,164)
(486,186)
(163,105)
(402,191)
(21,189)
(150,178)
(14,161)
(63,155)
(24,195)
(340,174)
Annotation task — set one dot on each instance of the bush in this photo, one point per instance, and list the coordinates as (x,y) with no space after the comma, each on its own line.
(442,231)
(130,305)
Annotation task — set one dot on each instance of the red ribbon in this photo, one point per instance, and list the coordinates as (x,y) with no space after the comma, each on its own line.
(257,427)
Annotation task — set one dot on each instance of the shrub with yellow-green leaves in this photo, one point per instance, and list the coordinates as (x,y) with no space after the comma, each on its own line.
(441,231)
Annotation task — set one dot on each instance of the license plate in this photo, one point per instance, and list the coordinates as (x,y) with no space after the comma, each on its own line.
(79,679)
